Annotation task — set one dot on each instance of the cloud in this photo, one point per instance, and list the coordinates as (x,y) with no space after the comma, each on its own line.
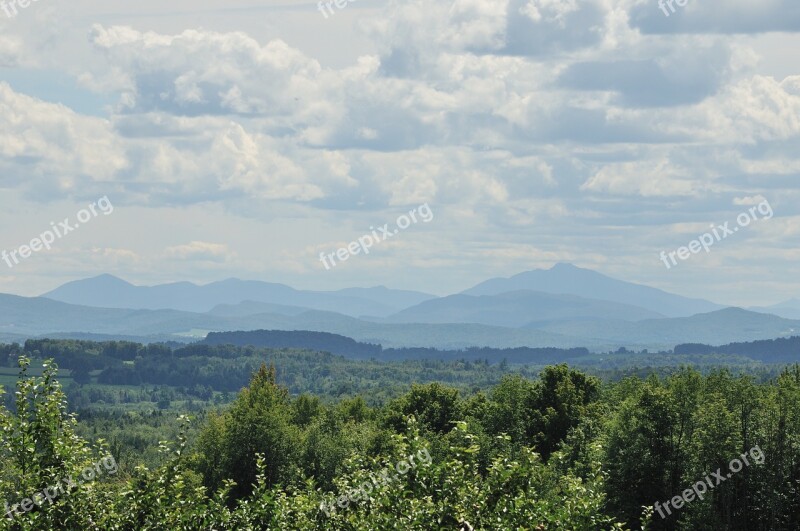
(536,27)
(762,108)
(201,72)
(10,51)
(553,127)
(115,257)
(749,200)
(663,179)
(680,78)
(718,16)
(200,251)
(51,150)
(525,28)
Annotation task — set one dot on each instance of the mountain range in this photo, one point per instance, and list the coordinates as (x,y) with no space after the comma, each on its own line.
(107,291)
(570,280)
(789,309)
(564,306)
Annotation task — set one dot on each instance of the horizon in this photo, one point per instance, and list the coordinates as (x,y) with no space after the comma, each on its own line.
(787,299)
(460,292)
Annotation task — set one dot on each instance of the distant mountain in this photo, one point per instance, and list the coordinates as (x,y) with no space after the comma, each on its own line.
(246,308)
(107,291)
(26,317)
(791,303)
(395,298)
(564,307)
(32,316)
(571,280)
(788,309)
(518,308)
(436,335)
(721,326)
(22,317)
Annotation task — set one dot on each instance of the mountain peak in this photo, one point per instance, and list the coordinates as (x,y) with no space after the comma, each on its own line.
(105,280)
(568,279)
(791,303)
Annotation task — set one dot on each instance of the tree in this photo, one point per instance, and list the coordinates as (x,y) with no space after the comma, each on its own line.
(258,422)
(640,453)
(434,405)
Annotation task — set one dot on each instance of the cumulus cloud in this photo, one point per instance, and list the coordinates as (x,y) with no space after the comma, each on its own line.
(511,115)
(198,250)
(749,200)
(51,150)
(206,115)
(644,178)
(681,77)
(202,72)
(717,16)
(10,51)
(112,257)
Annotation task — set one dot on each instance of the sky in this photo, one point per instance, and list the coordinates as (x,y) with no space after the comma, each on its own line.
(244,138)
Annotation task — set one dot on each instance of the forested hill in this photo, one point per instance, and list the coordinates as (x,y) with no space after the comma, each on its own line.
(349,348)
(319,341)
(781,350)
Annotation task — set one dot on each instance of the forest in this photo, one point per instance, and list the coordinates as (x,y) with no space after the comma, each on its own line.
(519,448)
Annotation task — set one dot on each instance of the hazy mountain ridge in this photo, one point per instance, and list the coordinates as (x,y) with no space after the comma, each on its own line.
(246,308)
(31,317)
(735,324)
(571,280)
(518,308)
(516,318)
(789,309)
(107,291)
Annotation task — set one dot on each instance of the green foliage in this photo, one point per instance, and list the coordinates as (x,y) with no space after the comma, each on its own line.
(512,493)
(558,452)
(40,449)
(434,405)
(541,413)
(259,421)
(669,434)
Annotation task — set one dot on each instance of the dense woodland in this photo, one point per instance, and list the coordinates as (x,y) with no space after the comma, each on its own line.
(510,447)
(200,370)
(780,350)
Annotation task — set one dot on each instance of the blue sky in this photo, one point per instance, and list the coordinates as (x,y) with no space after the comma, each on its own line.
(241,139)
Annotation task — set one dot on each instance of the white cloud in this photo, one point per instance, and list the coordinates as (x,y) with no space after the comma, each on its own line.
(749,200)
(571,122)
(51,149)
(10,51)
(651,178)
(197,250)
